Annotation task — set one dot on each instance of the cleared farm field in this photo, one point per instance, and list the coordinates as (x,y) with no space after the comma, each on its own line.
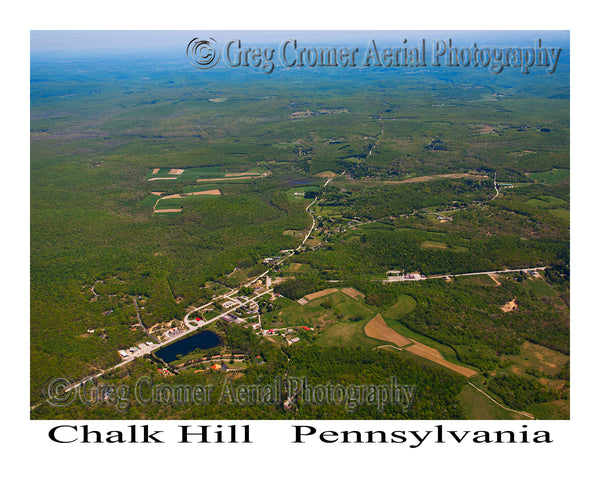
(223,179)
(322,293)
(433,355)
(150,200)
(207,192)
(347,334)
(539,288)
(169,210)
(174,202)
(479,407)
(377,328)
(201,174)
(551,177)
(192,189)
(545,361)
(340,308)
(352,293)
(434,245)
(404,305)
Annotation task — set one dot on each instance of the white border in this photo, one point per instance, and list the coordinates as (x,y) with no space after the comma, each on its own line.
(25,443)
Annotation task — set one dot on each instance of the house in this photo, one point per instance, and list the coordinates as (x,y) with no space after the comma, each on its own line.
(231,318)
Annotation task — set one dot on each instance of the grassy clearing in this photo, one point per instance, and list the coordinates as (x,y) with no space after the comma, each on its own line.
(202,198)
(554,201)
(557,409)
(320,312)
(548,202)
(347,334)
(536,202)
(479,407)
(329,211)
(403,306)
(561,213)
(480,280)
(169,203)
(544,361)
(200,188)
(168,214)
(150,200)
(539,288)
(434,245)
(326,174)
(551,177)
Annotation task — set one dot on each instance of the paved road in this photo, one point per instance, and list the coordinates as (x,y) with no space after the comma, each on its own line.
(512,270)
(191,327)
(496,187)
(313,218)
(203,323)
(450,275)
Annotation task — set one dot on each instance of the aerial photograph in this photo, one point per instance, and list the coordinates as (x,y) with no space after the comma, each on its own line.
(299,225)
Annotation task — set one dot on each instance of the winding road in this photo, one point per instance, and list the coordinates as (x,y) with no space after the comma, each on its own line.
(146,349)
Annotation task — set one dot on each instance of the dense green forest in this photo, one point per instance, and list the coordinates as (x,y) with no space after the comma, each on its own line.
(431,173)
(435,389)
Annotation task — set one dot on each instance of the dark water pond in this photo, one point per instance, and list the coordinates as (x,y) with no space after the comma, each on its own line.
(204,340)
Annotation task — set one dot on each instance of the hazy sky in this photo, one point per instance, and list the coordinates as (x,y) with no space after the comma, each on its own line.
(136,40)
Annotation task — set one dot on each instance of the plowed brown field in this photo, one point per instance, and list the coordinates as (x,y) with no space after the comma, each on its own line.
(377,328)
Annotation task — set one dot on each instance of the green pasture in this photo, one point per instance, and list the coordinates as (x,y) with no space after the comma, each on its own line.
(200,188)
(539,288)
(479,407)
(551,177)
(314,313)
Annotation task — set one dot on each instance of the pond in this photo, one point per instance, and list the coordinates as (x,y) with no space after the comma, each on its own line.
(203,340)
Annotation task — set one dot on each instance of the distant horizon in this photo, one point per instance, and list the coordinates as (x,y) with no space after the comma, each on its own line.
(124,41)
